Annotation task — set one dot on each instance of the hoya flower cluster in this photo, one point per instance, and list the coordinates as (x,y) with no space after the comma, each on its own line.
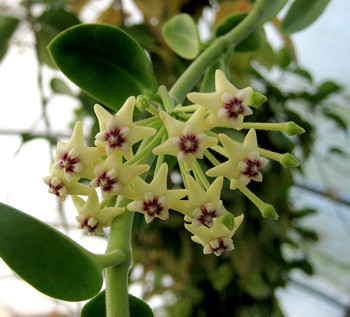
(114,169)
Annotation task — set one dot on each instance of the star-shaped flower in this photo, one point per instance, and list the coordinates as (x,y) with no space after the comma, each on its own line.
(154,199)
(74,158)
(113,177)
(202,206)
(228,105)
(118,132)
(243,162)
(216,239)
(186,139)
(60,187)
(91,217)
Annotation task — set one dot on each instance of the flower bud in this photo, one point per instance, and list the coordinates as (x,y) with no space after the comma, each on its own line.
(143,102)
(256,99)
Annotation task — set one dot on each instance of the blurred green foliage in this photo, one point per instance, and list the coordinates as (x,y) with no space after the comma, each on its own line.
(241,283)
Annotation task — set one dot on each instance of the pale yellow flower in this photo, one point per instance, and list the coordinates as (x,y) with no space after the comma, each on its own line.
(74,158)
(91,217)
(243,162)
(216,239)
(202,206)
(61,187)
(118,132)
(187,140)
(114,177)
(154,199)
(228,105)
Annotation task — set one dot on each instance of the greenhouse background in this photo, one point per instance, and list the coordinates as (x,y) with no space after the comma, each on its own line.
(323,49)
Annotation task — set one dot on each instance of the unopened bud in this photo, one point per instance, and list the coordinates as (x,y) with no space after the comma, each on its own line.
(143,102)
(268,211)
(291,128)
(256,99)
(289,160)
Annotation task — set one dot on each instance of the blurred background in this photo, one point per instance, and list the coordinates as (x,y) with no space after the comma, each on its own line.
(297,266)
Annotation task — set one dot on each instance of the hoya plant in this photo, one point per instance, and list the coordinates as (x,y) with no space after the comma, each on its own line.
(197,129)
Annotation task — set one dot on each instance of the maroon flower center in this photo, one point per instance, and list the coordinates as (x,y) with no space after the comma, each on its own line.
(105,182)
(234,107)
(252,168)
(115,138)
(68,163)
(207,215)
(188,143)
(56,189)
(88,227)
(221,246)
(152,207)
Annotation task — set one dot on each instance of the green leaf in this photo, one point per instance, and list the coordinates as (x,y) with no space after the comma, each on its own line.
(266,56)
(49,25)
(142,34)
(97,307)
(273,8)
(284,58)
(181,34)
(60,87)
(325,89)
(104,61)
(301,14)
(252,42)
(8,26)
(45,258)
(338,119)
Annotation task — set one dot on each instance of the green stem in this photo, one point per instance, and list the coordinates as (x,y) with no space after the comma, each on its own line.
(115,257)
(160,157)
(271,155)
(146,122)
(191,108)
(153,110)
(146,149)
(200,176)
(213,160)
(219,149)
(265,126)
(261,11)
(184,172)
(168,103)
(117,294)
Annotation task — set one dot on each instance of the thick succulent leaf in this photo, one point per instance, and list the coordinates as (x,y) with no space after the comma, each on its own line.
(252,42)
(8,25)
(301,14)
(105,62)
(181,34)
(97,307)
(49,25)
(272,8)
(45,258)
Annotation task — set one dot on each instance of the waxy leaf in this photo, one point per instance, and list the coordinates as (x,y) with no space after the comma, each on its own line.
(105,62)
(8,26)
(97,307)
(48,25)
(45,258)
(252,42)
(301,14)
(181,34)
